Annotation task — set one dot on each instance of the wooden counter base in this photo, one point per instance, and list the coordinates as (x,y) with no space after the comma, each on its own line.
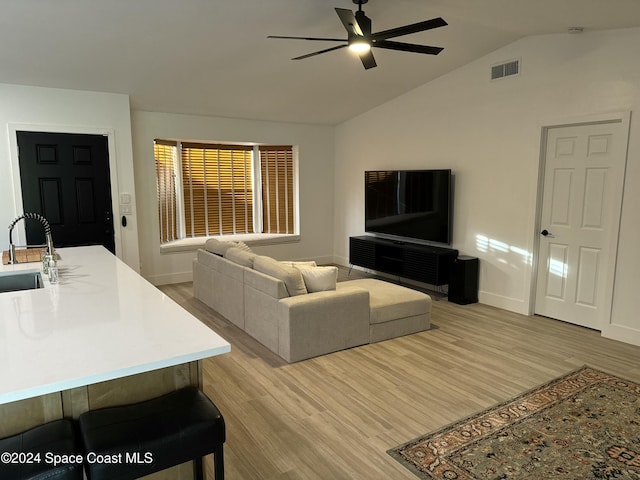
(22,415)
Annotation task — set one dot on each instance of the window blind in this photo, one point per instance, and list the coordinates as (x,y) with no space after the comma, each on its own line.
(217,188)
(277,170)
(165,160)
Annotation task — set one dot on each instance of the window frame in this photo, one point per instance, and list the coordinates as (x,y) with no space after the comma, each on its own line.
(187,243)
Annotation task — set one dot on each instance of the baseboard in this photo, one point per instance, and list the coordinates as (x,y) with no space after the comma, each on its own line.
(324,260)
(622,334)
(170,278)
(506,303)
(344,261)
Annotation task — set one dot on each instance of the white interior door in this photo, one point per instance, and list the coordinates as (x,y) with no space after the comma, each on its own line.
(582,196)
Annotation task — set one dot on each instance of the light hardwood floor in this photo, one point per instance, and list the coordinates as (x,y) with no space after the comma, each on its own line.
(334,417)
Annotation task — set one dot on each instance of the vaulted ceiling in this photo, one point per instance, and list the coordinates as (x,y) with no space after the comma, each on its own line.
(212,57)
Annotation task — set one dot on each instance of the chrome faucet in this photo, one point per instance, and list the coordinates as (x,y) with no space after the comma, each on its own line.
(47,235)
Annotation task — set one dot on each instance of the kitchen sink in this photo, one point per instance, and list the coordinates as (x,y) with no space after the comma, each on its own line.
(26,280)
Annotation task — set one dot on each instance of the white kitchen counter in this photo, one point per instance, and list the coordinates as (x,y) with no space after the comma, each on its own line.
(102,321)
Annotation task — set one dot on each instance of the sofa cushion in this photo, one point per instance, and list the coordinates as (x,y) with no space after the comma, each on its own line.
(390,302)
(220,247)
(227,268)
(290,276)
(241,257)
(319,279)
(208,259)
(289,263)
(254,280)
(214,245)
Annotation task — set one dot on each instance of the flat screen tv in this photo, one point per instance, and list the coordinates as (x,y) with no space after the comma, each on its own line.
(413,204)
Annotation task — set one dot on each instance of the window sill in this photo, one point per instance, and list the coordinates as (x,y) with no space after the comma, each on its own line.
(251,239)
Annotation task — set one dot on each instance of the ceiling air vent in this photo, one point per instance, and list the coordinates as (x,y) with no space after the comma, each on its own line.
(506,69)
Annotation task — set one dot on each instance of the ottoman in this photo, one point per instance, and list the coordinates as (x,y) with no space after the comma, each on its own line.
(394,310)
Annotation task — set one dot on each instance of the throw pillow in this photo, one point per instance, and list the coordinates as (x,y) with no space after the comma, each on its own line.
(291,277)
(241,257)
(319,279)
(243,246)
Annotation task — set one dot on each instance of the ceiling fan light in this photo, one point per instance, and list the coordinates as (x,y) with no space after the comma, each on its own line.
(360,46)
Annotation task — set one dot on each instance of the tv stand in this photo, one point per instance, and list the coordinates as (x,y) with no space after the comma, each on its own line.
(423,263)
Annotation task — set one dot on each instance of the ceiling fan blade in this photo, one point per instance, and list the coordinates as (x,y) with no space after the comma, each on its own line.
(349,21)
(367,60)
(407,29)
(318,52)
(309,38)
(408,47)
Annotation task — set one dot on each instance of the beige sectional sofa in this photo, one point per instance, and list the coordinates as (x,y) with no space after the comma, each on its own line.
(297,309)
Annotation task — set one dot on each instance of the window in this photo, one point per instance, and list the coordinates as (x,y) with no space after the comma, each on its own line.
(207,189)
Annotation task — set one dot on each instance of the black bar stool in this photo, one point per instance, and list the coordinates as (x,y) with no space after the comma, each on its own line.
(131,441)
(32,455)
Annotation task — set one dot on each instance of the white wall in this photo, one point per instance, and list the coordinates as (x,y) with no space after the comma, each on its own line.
(489,133)
(49,109)
(316,184)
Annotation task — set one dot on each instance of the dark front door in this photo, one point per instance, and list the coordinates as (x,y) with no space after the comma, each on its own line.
(65,178)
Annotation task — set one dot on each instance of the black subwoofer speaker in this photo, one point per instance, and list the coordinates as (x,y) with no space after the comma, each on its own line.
(463,280)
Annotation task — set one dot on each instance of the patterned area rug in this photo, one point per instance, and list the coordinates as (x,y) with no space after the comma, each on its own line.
(583,426)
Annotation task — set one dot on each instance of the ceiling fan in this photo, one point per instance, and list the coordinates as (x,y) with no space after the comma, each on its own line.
(360,39)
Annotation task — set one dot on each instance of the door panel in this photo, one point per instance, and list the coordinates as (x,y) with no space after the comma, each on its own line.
(561,200)
(51,196)
(594,198)
(582,197)
(65,177)
(587,287)
(557,271)
(85,194)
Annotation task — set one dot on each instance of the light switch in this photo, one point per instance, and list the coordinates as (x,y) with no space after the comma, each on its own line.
(125,198)
(125,209)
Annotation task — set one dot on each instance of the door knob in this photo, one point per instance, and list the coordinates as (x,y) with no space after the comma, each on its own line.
(545,232)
